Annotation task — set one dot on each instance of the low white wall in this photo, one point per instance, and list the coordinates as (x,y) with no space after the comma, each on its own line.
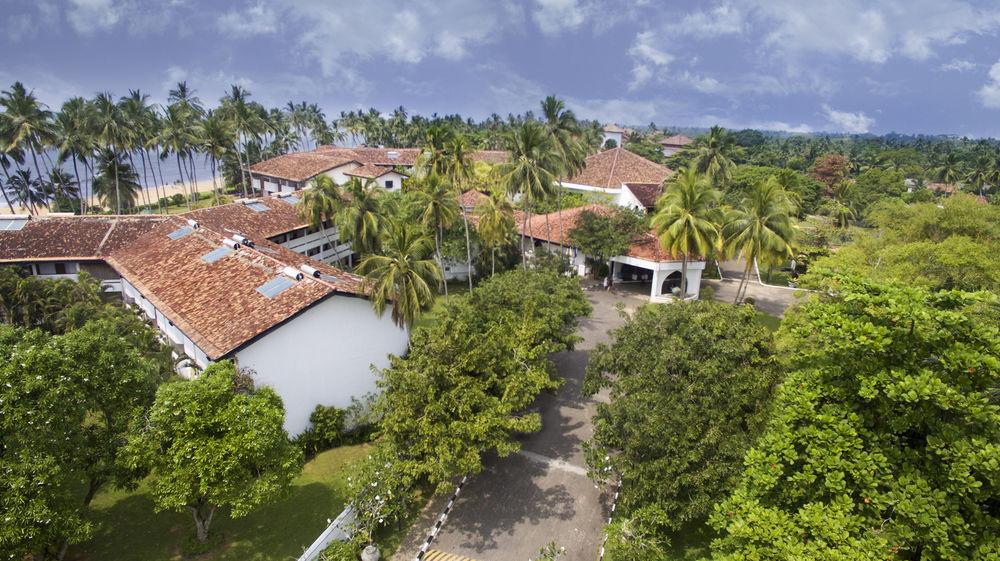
(324,356)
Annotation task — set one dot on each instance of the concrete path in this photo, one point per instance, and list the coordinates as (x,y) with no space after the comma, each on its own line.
(541,494)
(770,299)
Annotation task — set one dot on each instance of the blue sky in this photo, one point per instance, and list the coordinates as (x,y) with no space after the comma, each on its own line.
(916,66)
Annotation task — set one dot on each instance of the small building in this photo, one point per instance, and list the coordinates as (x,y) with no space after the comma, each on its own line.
(620,174)
(674,144)
(387,166)
(613,132)
(645,265)
(228,282)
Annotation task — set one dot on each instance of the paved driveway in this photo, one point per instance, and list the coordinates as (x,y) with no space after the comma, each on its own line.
(541,494)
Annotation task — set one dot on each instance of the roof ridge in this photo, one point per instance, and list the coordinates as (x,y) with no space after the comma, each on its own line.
(614,164)
(100,245)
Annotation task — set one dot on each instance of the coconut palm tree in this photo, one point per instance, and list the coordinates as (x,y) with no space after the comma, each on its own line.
(360,218)
(25,123)
(177,136)
(27,190)
(321,204)
(9,156)
(458,171)
(218,139)
(439,210)
(564,130)
(713,155)
(401,275)
(116,184)
(248,125)
(532,167)
(687,220)
(108,126)
(74,137)
(64,191)
(496,224)
(760,229)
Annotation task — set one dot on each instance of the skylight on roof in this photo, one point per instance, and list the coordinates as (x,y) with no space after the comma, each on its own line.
(258,207)
(216,254)
(329,278)
(180,233)
(12,224)
(291,199)
(275,286)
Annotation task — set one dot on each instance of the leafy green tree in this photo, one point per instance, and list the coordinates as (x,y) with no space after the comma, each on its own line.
(607,232)
(361,217)
(496,225)
(805,190)
(532,168)
(712,155)
(214,441)
(877,184)
(951,245)
(883,441)
(401,275)
(41,444)
(687,219)
(439,209)
(690,387)
(321,204)
(639,534)
(116,184)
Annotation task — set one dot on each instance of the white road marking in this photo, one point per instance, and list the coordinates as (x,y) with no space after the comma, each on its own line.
(551,462)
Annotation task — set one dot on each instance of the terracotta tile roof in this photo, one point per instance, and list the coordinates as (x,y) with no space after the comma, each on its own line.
(647,193)
(490,156)
(676,140)
(217,304)
(645,246)
(611,168)
(282,216)
(370,171)
(301,166)
(613,128)
(471,198)
(72,237)
(942,188)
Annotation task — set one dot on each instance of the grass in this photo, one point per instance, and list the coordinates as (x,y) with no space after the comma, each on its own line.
(428,318)
(129,528)
(691,542)
(772,323)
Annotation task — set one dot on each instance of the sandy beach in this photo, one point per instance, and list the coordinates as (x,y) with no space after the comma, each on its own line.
(204,186)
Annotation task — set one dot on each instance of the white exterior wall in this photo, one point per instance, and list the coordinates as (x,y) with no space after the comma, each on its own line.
(396,178)
(616,136)
(169,330)
(455,270)
(626,199)
(659,274)
(47,270)
(338,175)
(324,356)
(671,150)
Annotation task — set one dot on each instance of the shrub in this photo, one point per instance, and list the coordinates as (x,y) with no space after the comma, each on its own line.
(327,430)
(707,293)
(177,199)
(749,301)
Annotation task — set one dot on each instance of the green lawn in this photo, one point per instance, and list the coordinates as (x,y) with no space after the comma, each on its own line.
(769,321)
(130,529)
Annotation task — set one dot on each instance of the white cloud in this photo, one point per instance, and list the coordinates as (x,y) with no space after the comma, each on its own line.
(959,65)
(871,30)
(625,111)
(845,121)
(211,85)
(989,94)
(723,19)
(555,16)
(90,16)
(256,19)
(342,37)
(703,84)
(647,59)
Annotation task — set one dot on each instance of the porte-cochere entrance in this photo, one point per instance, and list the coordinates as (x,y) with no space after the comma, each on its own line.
(672,281)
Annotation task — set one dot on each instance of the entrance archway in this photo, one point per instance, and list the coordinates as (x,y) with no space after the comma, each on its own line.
(672,281)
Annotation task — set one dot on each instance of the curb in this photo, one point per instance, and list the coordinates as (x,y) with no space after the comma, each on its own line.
(440,521)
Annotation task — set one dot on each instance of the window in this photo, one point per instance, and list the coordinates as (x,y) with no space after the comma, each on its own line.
(327,247)
(312,252)
(60,268)
(388,184)
(216,254)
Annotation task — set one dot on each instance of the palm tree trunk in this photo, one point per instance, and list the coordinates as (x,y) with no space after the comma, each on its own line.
(493,261)
(468,246)
(144,195)
(194,177)
(437,242)
(524,231)
(684,276)
(180,172)
(243,178)
(3,190)
(79,185)
(159,168)
(744,281)
(118,193)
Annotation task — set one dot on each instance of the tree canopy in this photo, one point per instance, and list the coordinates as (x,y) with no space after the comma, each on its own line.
(883,443)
